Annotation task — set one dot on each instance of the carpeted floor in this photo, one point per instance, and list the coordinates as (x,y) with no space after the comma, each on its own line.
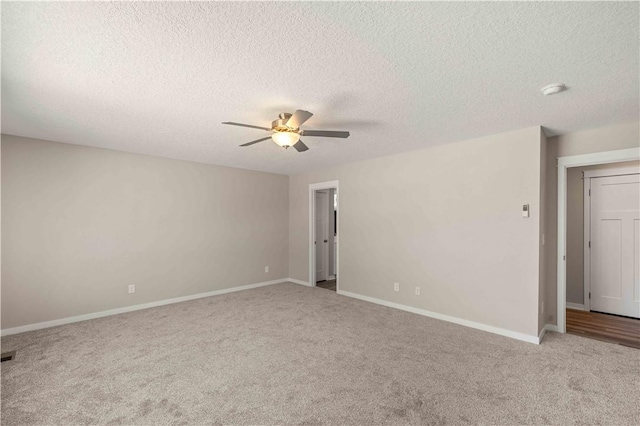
(288,354)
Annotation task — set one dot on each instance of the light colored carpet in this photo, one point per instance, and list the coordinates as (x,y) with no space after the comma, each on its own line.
(287,354)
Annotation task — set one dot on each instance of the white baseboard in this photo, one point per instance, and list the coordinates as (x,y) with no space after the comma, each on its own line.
(576,306)
(547,327)
(542,333)
(455,320)
(69,320)
(293,280)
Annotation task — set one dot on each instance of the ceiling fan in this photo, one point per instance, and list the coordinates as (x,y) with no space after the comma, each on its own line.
(286,130)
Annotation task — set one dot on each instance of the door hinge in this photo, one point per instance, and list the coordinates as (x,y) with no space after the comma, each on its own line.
(589,295)
(589,244)
(589,193)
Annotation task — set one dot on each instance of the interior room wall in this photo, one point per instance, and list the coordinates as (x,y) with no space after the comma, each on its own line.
(542,243)
(451,223)
(81,224)
(575,237)
(332,248)
(0,235)
(609,138)
(575,229)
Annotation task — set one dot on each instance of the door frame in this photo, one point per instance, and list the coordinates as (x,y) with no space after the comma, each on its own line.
(313,187)
(322,247)
(587,176)
(564,163)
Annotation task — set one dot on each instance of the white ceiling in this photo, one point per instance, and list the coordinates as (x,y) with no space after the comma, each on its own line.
(159,78)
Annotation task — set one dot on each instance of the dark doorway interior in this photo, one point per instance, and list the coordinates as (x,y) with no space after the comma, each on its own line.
(329,284)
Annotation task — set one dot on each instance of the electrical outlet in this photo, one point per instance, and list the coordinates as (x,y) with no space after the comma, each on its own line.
(417,291)
(132,288)
(266,269)
(396,286)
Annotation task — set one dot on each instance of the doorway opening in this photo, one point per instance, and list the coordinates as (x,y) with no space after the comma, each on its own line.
(323,235)
(602,242)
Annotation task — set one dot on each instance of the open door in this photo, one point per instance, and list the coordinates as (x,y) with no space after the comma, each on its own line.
(324,258)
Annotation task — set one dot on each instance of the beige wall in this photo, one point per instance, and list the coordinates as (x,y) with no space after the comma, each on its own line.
(575,229)
(543,219)
(575,233)
(80,224)
(621,136)
(0,235)
(447,219)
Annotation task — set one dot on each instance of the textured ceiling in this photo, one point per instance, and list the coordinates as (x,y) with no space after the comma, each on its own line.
(159,78)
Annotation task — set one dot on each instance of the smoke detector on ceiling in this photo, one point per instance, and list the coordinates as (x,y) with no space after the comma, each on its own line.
(552,89)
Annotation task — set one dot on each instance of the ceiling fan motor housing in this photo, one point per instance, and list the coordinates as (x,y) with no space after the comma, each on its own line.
(280,125)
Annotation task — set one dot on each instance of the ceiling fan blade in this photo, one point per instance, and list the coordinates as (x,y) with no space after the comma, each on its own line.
(245,125)
(300,146)
(298,118)
(326,133)
(256,141)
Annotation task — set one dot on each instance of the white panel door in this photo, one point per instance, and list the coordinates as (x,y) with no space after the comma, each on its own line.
(615,245)
(322,235)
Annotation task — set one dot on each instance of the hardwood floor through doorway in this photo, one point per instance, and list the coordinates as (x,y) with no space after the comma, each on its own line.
(609,328)
(329,285)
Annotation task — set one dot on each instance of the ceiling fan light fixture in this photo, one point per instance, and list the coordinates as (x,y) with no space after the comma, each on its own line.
(285,139)
(286,131)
